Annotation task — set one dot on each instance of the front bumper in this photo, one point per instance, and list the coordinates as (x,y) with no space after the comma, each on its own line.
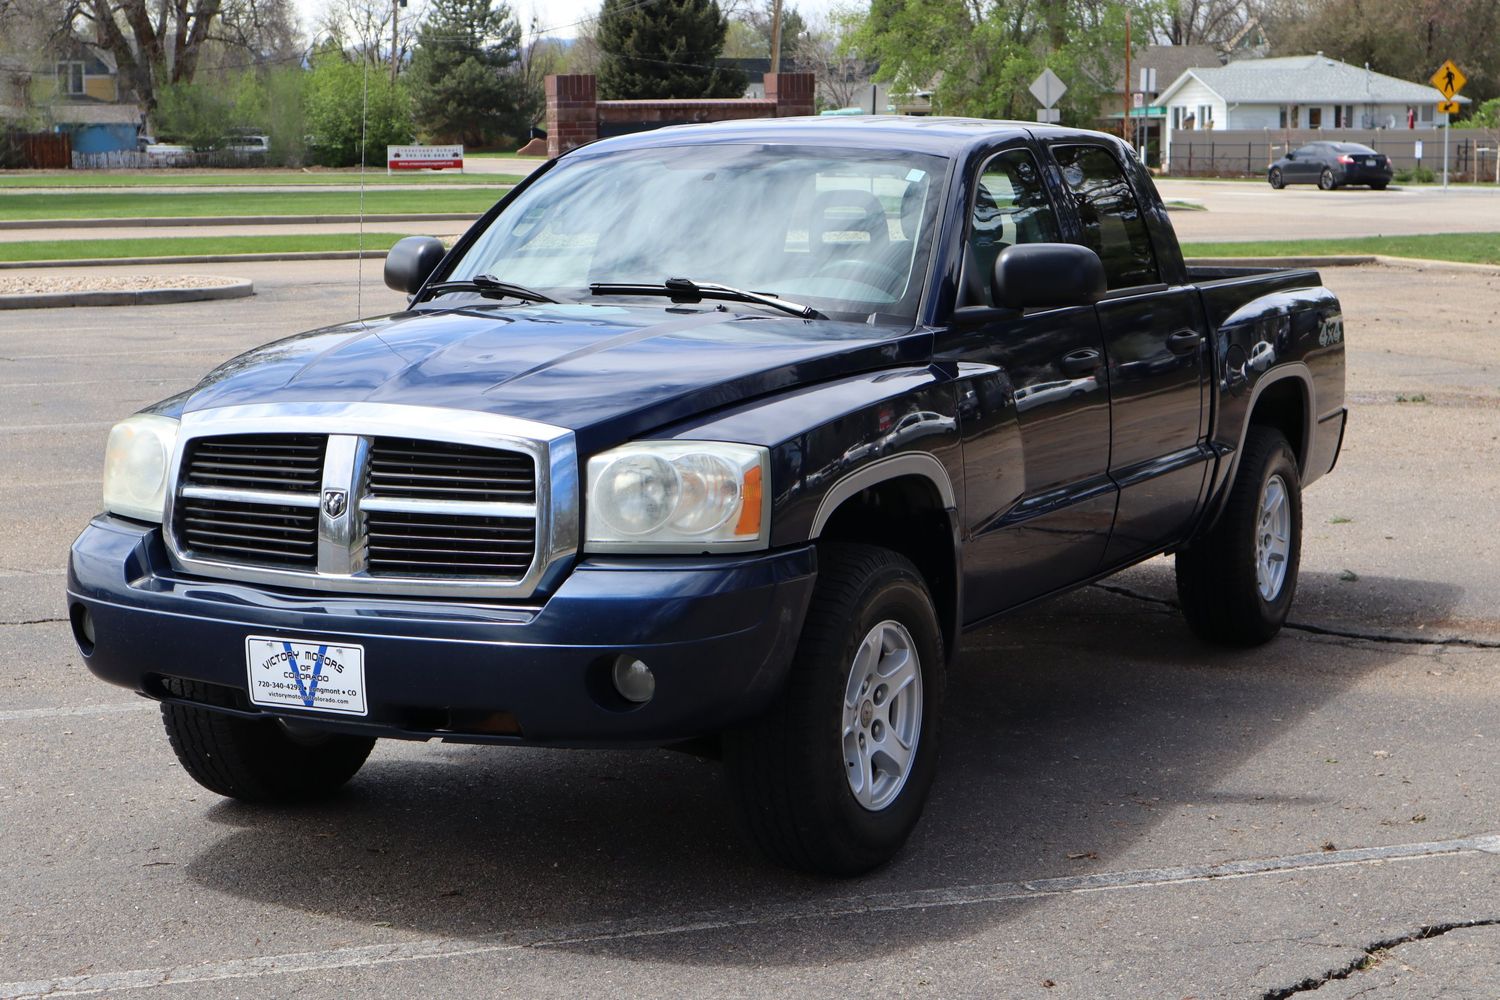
(717,633)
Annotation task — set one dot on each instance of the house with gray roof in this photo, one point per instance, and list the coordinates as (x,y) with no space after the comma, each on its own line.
(1296,92)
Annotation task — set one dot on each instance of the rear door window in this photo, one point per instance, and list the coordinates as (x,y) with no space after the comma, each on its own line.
(1113,226)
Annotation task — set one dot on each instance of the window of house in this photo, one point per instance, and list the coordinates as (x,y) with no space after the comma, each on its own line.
(1177,117)
(70,78)
(1010,207)
(1424,112)
(1112,223)
(1314,117)
(1205,116)
(1343,116)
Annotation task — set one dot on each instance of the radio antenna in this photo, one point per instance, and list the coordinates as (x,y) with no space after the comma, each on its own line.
(359,255)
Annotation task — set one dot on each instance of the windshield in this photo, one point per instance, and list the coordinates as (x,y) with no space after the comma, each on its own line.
(845,231)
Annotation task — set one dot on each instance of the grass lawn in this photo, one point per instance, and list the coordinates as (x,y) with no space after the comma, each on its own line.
(1468,248)
(240,178)
(173,246)
(100,205)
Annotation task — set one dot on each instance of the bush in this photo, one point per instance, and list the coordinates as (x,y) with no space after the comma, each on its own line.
(336,104)
(195,115)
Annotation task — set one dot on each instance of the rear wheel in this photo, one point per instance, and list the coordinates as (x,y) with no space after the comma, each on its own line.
(1326,181)
(259,760)
(1378,185)
(1236,583)
(1277,181)
(832,779)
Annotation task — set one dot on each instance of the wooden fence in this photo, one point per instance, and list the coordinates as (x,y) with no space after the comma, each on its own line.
(1473,153)
(36,150)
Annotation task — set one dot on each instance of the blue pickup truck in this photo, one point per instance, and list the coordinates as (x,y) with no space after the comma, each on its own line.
(717,437)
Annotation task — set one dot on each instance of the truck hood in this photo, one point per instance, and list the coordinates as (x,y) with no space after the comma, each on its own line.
(606,372)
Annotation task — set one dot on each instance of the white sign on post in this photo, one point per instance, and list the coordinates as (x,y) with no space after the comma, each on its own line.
(1419,149)
(1048,88)
(1048,116)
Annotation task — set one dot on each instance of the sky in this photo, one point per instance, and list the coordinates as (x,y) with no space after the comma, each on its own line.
(561,16)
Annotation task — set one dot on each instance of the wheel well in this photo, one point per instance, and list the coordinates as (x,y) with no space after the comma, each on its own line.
(1283,406)
(906,515)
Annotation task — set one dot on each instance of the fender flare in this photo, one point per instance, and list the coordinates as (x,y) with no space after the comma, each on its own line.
(1287,370)
(913,463)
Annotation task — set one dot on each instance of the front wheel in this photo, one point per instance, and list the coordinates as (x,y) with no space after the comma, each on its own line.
(1326,180)
(1379,185)
(1277,181)
(832,779)
(1236,583)
(259,760)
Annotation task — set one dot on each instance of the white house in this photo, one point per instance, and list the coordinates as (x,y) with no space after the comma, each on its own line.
(1296,92)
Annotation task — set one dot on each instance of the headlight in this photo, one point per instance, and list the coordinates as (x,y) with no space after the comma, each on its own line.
(692,496)
(135,466)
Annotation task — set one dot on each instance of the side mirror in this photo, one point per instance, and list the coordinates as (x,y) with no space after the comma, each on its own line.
(410,262)
(1291,156)
(1047,275)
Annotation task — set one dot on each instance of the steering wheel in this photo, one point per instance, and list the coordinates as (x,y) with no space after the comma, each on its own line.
(866,272)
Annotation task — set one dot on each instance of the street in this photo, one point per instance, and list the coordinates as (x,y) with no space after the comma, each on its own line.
(1121,811)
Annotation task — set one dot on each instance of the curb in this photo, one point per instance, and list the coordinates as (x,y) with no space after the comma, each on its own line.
(1346,260)
(140,297)
(188,221)
(217,258)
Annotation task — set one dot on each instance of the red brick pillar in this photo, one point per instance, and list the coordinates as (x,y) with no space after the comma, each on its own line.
(792,92)
(572,113)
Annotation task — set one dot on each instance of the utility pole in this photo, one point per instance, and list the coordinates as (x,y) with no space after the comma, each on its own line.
(1125,121)
(395,46)
(775,36)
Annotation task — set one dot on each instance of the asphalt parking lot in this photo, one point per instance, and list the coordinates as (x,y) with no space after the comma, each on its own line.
(1121,811)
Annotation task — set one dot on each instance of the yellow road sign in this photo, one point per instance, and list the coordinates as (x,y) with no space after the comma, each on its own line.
(1449,79)
(1447,107)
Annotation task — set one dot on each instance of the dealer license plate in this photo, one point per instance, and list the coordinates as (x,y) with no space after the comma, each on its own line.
(313,676)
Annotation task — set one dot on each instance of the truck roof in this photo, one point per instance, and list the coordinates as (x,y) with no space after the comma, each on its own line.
(920,134)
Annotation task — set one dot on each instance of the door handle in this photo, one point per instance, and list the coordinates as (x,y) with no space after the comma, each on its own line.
(1080,362)
(1184,342)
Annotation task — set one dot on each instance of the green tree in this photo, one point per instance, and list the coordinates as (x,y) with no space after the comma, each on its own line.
(663,50)
(337,106)
(1402,38)
(465,77)
(197,115)
(978,57)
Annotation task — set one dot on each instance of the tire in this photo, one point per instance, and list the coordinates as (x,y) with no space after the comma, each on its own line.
(258,760)
(1228,595)
(1379,185)
(790,770)
(1326,181)
(1277,181)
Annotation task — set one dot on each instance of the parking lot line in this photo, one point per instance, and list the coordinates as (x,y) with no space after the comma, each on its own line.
(617,930)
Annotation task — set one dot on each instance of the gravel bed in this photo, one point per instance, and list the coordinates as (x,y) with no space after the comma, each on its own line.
(48,284)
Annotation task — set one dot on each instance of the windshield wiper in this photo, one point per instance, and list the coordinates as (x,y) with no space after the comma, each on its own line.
(490,287)
(687,290)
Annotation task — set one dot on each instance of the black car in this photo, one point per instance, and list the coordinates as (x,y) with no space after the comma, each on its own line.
(1330,165)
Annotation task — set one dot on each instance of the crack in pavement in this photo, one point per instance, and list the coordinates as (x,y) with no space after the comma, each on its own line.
(35,621)
(1371,956)
(1313,629)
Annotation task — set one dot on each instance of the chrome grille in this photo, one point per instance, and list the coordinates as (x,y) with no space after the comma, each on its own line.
(291,463)
(439,470)
(255,533)
(373,497)
(417,544)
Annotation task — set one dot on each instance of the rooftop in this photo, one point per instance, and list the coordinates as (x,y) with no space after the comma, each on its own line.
(1300,79)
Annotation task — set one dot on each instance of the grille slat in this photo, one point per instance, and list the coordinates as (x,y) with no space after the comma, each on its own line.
(281,536)
(400,543)
(434,470)
(279,463)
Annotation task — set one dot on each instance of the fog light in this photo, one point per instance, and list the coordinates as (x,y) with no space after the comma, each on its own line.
(83,628)
(634,680)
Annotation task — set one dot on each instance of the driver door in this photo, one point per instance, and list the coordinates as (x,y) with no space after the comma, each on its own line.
(1034,415)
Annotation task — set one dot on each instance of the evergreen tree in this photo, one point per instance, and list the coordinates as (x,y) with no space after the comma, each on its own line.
(663,50)
(465,80)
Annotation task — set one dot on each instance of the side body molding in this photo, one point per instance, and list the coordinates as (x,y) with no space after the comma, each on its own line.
(913,463)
